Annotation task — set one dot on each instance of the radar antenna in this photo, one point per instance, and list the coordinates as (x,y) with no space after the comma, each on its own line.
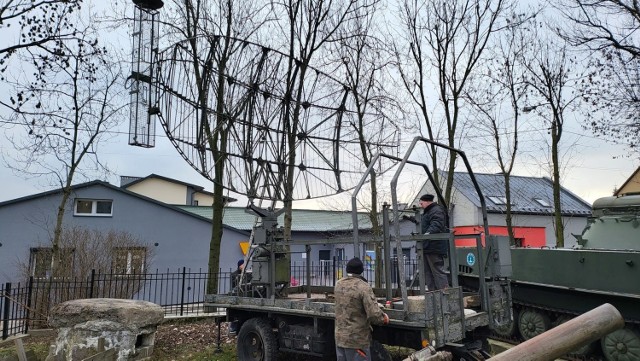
(271,119)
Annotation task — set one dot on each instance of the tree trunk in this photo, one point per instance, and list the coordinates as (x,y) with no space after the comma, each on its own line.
(557,214)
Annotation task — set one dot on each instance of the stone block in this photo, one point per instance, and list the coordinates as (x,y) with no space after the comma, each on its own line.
(88,327)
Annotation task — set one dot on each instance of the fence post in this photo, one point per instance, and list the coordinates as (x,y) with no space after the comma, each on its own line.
(92,282)
(29,296)
(334,271)
(184,271)
(5,311)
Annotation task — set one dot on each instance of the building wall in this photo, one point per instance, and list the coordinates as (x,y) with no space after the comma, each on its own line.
(203,199)
(531,236)
(466,214)
(572,225)
(631,186)
(464,211)
(182,240)
(161,190)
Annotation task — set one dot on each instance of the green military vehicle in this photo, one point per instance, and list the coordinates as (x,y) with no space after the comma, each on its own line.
(272,316)
(551,285)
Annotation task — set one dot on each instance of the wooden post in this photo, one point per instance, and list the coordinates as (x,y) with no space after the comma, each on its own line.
(17,341)
(566,337)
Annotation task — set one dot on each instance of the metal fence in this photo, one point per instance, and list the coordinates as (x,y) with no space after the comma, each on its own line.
(180,293)
(326,273)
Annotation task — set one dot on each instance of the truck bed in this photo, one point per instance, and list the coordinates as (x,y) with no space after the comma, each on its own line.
(436,313)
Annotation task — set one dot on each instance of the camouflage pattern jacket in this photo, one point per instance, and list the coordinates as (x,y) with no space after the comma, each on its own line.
(356,309)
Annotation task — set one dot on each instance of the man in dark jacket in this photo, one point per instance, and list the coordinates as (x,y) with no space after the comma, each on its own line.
(356,309)
(235,275)
(434,220)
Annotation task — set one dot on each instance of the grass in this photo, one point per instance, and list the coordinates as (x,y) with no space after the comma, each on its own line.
(39,347)
(186,352)
(227,353)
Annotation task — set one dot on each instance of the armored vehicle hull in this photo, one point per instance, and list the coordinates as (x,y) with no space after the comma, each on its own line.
(552,285)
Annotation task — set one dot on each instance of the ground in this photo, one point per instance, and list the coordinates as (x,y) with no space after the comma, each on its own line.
(192,339)
(184,339)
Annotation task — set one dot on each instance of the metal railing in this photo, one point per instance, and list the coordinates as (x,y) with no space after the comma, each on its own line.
(25,306)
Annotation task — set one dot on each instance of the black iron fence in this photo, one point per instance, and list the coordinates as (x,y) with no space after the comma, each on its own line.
(25,306)
(180,292)
(326,273)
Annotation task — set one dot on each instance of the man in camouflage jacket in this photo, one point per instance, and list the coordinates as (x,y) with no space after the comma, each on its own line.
(356,309)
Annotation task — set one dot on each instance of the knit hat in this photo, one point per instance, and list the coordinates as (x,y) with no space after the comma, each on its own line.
(427,197)
(240,262)
(355,266)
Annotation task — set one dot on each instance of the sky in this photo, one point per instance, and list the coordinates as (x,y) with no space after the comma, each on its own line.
(595,167)
(594,172)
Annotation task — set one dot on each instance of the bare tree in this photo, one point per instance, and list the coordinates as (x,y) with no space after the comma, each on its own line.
(210,32)
(552,77)
(612,93)
(39,26)
(66,112)
(499,97)
(309,27)
(365,62)
(609,29)
(601,24)
(86,250)
(444,40)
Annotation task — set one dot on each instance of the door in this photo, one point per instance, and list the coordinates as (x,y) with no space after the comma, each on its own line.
(324,255)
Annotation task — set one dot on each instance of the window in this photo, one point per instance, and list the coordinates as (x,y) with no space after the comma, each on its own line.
(340,255)
(499,200)
(129,260)
(93,207)
(40,262)
(542,202)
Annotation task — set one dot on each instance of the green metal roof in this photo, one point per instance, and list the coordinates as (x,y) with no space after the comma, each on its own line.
(304,220)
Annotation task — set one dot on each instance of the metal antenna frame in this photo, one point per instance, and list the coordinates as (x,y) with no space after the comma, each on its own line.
(256,117)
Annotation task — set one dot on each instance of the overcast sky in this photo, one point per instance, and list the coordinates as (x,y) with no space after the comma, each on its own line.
(594,167)
(593,172)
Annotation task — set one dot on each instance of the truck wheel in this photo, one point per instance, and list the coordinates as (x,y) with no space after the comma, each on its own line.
(507,330)
(378,352)
(621,345)
(256,341)
(532,323)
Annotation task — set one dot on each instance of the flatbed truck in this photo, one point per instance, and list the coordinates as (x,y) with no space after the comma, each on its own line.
(272,316)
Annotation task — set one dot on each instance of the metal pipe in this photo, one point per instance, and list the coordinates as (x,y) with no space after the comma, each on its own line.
(356,190)
(354,205)
(396,226)
(387,251)
(566,337)
(308,251)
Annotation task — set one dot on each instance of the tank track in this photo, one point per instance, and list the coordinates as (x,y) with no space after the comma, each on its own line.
(550,311)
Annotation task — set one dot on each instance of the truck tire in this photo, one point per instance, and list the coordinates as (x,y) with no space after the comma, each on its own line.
(378,352)
(256,341)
